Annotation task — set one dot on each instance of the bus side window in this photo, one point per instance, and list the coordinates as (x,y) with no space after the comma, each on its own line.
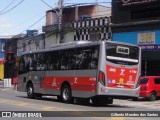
(71,59)
(54,60)
(33,62)
(94,62)
(63,60)
(83,58)
(21,65)
(26,59)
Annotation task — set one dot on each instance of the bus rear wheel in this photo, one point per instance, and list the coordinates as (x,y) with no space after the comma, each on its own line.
(66,94)
(30,91)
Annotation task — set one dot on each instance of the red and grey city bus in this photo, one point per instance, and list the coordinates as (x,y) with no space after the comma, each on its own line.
(97,70)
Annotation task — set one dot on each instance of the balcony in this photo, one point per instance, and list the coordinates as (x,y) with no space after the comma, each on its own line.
(54,28)
(50,28)
(67,26)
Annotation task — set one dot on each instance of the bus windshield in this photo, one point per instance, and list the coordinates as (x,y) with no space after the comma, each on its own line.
(122,54)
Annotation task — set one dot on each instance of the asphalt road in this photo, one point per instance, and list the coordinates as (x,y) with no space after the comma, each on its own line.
(17,101)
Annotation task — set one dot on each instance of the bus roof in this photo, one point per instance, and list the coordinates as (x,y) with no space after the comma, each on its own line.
(74,44)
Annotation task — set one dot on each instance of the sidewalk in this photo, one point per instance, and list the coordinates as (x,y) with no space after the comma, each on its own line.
(8,88)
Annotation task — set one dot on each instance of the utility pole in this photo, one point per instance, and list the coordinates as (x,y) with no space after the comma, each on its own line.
(60,5)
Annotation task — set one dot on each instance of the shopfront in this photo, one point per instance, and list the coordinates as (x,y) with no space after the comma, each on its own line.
(149,41)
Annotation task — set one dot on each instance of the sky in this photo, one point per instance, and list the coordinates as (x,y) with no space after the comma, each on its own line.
(17,16)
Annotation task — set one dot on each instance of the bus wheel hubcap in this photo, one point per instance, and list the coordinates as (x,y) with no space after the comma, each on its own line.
(66,94)
(30,91)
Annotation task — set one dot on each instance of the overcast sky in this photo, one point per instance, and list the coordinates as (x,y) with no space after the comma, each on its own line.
(16,16)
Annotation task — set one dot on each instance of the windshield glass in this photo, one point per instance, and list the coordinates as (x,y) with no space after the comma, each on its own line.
(122,54)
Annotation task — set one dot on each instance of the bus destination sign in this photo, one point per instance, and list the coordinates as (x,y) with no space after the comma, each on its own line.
(122,50)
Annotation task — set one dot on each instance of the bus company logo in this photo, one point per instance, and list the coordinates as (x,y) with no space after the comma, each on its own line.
(54,82)
(112,69)
(75,80)
(6,114)
(122,71)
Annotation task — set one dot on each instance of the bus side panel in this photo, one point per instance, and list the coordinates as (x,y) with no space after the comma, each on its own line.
(37,77)
(22,81)
(53,81)
(84,84)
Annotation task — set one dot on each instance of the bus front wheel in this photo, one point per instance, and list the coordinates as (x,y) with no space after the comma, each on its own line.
(66,94)
(30,91)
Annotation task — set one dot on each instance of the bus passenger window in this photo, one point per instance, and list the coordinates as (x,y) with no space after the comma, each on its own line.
(71,60)
(54,60)
(94,62)
(83,58)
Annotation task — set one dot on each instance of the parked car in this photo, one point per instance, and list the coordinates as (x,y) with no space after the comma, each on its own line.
(150,87)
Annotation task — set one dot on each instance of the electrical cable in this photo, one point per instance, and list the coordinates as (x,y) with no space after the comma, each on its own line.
(7,6)
(12,7)
(33,24)
(47,4)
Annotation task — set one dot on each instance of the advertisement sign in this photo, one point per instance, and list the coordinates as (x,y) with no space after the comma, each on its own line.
(146,38)
(1,71)
(150,47)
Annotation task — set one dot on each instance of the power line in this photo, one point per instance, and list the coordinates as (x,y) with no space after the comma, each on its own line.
(12,8)
(33,24)
(47,4)
(7,6)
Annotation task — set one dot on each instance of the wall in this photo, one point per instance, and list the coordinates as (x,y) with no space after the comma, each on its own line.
(134,10)
(69,37)
(102,11)
(50,39)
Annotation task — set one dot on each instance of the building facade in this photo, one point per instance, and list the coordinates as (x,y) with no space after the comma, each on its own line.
(78,23)
(3,39)
(138,22)
(30,43)
(18,44)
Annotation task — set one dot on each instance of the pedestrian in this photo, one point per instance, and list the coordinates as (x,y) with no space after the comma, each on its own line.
(15,80)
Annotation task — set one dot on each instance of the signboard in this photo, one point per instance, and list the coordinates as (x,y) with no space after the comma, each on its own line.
(1,71)
(122,50)
(150,47)
(137,2)
(146,38)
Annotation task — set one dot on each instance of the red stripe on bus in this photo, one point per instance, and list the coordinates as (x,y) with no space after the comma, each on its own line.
(77,83)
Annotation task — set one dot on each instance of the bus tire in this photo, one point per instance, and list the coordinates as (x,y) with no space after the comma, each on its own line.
(66,94)
(30,91)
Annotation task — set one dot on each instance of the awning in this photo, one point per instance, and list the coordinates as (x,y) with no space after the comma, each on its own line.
(1,60)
